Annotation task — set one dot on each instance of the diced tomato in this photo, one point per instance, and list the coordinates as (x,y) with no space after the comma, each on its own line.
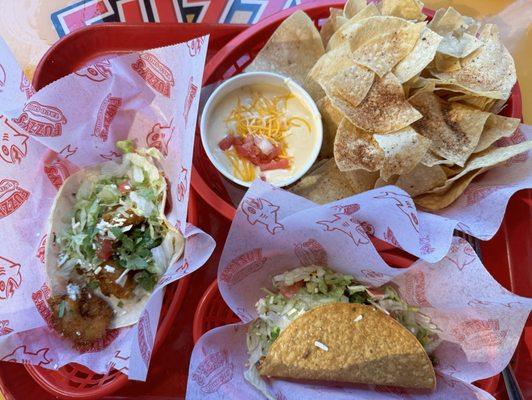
(105,249)
(275,164)
(124,187)
(226,142)
(289,291)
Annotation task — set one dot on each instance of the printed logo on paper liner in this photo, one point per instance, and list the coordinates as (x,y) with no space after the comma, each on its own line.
(41,120)
(182,184)
(404,203)
(145,337)
(68,151)
(488,303)
(25,86)
(97,72)
(106,113)
(40,299)
(516,138)
(191,94)
(376,276)
(194,46)
(14,145)
(474,195)
(21,354)
(155,73)
(57,172)
(111,155)
(119,362)
(415,289)
(243,266)
(475,334)
(346,222)
(4,328)
(389,236)
(213,371)
(262,211)
(10,278)
(311,252)
(12,197)
(159,137)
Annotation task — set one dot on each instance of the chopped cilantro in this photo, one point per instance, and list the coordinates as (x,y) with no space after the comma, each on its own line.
(120,304)
(146,280)
(274,333)
(62,308)
(93,285)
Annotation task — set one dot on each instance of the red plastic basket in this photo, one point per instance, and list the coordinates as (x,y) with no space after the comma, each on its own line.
(213,312)
(222,194)
(74,381)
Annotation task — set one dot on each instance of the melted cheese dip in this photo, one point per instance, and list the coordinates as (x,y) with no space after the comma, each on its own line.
(300,141)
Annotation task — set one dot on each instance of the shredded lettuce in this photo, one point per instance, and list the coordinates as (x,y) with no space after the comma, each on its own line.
(130,190)
(302,289)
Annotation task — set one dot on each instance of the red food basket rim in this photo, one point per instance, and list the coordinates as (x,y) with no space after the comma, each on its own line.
(45,377)
(200,184)
(212,296)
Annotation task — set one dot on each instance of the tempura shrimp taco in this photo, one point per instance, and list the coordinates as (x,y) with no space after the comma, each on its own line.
(322,325)
(109,243)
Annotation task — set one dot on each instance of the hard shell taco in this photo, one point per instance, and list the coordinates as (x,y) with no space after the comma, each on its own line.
(322,325)
(109,243)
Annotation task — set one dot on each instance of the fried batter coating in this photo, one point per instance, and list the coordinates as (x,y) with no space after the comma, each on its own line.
(108,285)
(83,321)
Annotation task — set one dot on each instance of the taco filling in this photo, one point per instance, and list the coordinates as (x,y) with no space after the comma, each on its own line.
(292,328)
(110,240)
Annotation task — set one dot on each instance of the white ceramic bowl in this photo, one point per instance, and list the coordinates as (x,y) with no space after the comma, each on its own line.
(251,78)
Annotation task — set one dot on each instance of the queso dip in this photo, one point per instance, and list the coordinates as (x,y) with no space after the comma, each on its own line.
(262,131)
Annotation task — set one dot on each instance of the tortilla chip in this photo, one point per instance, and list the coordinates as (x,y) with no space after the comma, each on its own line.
(493,156)
(488,71)
(421,179)
(375,350)
(496,127)
(360,180)
(403,150)
(327,67)
(292,50)
(407,9)
(356,149)
(420,56)
(381,182)
(349,86)
(456,30)
(329,26)
(418,84)
(324,184)
(454,128)
(479,102)
(430,159)
(383,110)
(331,118)
(353,7)
(340,36)
(446,63)
(380,42)
(437,201)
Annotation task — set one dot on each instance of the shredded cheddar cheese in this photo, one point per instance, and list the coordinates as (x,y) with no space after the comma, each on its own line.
(263,118)
(242,168)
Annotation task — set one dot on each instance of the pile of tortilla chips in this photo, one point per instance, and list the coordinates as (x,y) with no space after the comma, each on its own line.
(403,101)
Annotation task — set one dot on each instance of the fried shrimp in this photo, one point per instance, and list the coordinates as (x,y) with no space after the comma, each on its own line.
(83,320)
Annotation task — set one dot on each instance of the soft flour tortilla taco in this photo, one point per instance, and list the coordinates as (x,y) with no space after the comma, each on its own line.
(109,243)
(321,325)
